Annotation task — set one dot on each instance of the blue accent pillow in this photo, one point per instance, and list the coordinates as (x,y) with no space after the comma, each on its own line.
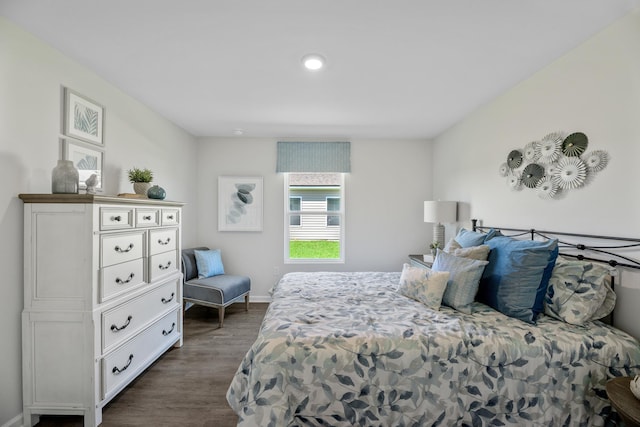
(466,238)
(464,278)
(516,279)
(209,263)
(541,293)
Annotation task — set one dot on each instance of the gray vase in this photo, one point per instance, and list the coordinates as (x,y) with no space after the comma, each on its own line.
(65,178)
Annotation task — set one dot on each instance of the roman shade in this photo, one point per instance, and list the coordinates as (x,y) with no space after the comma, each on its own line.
(294,156)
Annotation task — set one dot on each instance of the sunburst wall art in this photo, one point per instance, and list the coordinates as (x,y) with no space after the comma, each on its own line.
(555,164)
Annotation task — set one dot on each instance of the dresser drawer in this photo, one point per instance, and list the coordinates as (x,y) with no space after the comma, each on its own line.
(170,216)
(117,248)
(116,218)
(162,264)
(147,217)
(125,320)
(163,240)
(120,278)
(119,367)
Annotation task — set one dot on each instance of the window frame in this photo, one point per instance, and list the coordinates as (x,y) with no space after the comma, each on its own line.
(287,219)
(332,210)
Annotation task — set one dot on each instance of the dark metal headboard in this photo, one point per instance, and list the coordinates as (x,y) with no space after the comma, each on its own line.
(611,251)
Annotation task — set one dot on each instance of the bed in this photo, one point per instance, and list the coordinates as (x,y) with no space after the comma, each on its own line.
(349,349)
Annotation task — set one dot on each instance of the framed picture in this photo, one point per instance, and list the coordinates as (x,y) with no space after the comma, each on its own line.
(83,118)
(240,203)
(87,159)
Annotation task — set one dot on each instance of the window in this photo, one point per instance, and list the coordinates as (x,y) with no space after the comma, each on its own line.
(294,205)
(314,218)
(333,205)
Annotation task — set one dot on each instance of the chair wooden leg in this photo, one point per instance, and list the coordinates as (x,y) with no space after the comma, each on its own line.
(246,302)
(221,315)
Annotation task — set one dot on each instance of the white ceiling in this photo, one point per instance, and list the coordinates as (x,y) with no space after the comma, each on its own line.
(396,68)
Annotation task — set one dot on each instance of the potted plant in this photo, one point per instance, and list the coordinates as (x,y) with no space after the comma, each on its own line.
(434,248)
(141,180)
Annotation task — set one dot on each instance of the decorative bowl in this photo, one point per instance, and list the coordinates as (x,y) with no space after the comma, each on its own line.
(635,386)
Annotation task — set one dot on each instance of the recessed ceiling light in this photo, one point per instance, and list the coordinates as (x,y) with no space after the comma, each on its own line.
(313,62)
(238,131)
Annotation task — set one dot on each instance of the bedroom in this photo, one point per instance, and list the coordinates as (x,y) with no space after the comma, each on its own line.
(594,88)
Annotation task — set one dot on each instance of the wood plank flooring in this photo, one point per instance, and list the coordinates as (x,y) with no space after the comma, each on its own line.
(187,386)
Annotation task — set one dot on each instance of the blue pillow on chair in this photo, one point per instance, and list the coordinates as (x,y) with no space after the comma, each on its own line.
(516,278)
(209,263)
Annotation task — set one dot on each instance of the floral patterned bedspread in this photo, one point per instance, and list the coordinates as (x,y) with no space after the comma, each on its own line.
(345,349)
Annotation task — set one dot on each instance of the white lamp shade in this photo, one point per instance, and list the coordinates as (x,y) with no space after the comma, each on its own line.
(440,211)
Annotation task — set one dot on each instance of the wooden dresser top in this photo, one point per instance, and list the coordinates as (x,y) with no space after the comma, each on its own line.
(93,198)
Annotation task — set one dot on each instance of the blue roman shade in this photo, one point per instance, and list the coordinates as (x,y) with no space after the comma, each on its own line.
(314,156)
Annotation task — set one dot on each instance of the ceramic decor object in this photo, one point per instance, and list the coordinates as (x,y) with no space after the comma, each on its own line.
(65,178)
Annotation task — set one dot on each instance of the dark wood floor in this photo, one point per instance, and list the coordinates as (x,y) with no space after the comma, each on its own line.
(187,386)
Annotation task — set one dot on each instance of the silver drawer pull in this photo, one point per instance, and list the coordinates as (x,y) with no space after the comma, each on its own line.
(164,267)
(120,250)
(169,216)
(165,333)
(166,242)
(117,370)
(165,301)
(115,328)
(147,217)
(119,281)
(116,218)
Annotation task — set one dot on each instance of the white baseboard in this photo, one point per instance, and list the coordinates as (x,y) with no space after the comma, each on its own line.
(14,422)
(259,298)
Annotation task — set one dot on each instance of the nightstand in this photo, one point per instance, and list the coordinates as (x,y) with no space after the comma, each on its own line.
(623,401)
(421,260)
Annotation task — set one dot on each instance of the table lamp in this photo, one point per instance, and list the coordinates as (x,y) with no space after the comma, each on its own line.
(439,212)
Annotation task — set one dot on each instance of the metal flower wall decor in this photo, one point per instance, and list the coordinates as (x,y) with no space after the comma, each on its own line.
(556,163)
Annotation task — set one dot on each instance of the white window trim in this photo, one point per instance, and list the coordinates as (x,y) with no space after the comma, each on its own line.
(340,213)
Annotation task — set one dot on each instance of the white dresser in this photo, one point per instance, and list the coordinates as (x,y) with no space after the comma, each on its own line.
(102,298)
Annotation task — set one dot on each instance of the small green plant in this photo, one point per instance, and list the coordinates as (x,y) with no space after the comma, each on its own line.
(140,175)
(434,247)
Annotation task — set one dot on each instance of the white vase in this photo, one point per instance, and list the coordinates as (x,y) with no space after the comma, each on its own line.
(141,187)
(65,178)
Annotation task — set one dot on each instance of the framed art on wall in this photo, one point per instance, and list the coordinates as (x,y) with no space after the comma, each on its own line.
(240,203)
(88,160)
(83,118)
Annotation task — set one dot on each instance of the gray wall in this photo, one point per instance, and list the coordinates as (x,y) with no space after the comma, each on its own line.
(384,197)
(31,74)
(594,89)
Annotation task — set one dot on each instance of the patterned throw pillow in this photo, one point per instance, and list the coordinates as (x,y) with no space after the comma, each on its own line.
(609,301)
(423,285)
(464,279)
(577,292)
